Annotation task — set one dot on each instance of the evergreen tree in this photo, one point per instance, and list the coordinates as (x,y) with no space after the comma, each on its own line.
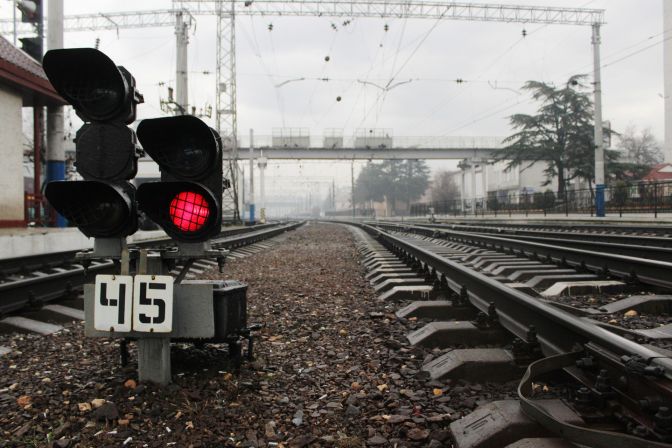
(560,134)
(394,180)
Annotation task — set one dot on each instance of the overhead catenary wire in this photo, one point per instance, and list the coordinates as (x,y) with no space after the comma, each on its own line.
(481,73)
(254,43)
(361,90)
(488,114)
(278,93)
(382,94)
(606,62)
(324,70)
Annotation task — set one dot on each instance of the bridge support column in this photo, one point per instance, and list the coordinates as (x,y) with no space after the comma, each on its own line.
(484,181)
(463,186)
(472,175)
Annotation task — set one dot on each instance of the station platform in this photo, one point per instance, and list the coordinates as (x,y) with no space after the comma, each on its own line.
(26,241)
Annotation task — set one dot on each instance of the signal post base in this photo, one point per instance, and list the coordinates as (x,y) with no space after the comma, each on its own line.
(208,311)
(154,360)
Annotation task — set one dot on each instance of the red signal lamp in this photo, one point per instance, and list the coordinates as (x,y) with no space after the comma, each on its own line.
(186,211)
(189,211)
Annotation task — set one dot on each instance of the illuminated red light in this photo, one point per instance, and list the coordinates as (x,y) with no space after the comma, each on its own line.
(189,211)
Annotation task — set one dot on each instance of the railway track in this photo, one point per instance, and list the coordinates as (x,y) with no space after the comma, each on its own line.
(38,279)
(644,236)
(617,377)
(633,263)
(663,231)
(437,347)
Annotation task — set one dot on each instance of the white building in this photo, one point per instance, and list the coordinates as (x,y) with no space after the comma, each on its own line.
(475,183)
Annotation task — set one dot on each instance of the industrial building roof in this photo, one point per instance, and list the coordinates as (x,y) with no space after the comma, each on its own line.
(20,71)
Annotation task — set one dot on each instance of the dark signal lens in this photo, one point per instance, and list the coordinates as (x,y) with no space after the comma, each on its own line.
(189,211)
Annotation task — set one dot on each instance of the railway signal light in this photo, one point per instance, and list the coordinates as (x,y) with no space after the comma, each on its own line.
(105,98)
(187,203)
(31,12)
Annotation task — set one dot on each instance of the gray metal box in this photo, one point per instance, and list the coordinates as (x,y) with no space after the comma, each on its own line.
(202,309)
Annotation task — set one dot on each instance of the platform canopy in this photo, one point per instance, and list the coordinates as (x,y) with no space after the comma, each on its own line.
(23,73)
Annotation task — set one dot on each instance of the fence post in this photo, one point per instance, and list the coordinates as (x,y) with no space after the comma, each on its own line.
(26,214)
(655,200)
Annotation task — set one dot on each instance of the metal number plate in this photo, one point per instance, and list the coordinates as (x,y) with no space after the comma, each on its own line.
(153,303)
(113,302)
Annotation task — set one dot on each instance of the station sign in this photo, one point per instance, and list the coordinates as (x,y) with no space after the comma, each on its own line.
(142,303)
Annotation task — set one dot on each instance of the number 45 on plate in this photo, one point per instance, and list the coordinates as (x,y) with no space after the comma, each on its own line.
(142,303)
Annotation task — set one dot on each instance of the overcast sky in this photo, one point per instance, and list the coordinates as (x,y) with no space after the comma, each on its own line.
(493,59)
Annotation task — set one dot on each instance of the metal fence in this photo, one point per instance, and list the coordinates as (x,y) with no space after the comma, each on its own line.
(620,198)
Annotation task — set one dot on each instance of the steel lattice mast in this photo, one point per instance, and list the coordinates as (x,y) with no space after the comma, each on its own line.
(226,11)
(226,114)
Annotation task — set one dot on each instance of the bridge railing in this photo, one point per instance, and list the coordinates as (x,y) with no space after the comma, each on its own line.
(330,141)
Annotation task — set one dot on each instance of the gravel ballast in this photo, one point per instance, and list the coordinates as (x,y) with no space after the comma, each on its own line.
(332,368)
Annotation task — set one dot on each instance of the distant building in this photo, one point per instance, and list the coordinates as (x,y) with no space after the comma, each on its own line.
(477,180)
(660,172)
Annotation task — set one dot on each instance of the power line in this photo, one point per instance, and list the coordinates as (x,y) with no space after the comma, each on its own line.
(607,64)
(635,53)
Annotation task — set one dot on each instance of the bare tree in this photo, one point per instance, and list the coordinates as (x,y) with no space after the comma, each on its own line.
(642,147)
(444,188)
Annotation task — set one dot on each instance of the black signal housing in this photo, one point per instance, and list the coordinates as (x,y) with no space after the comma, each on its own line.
(107,151)
(189,155)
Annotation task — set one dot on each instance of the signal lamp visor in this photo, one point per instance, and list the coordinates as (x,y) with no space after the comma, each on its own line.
(89,80)
(183,145)
(98,209)
(189,211)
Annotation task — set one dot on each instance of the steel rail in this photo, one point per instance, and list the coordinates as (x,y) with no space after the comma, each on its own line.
(27,264)
(558,331)
(30,263)
(42,287)
(656,249)
(631,250)
(637,228)
(53,282)
(552,232)
(648,271)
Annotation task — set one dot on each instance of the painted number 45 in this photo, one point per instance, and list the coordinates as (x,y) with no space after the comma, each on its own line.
(142,303)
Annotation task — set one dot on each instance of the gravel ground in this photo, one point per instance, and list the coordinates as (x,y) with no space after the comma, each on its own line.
(630,319)
(333,368)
